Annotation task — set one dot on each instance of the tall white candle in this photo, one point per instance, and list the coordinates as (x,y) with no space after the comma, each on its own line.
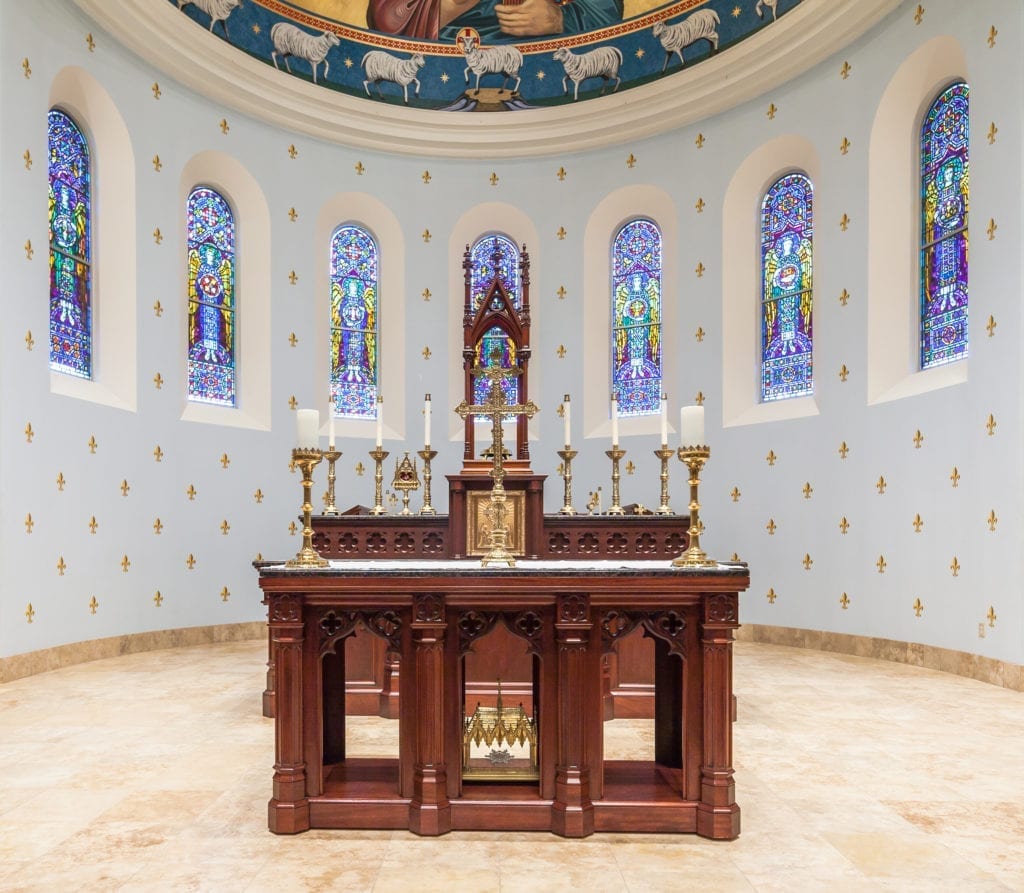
(380,421)
(426,421)
(664,421)
(568,424)
(615,423)
(307,423)
(691,426)
(330,429)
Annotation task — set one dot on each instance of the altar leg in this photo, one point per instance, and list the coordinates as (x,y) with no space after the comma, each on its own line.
(288,810)
(579,694)
(268,692)
(718,816)
(430,812)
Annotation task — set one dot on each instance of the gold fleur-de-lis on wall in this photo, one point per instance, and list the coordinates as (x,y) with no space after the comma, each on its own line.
(918,607)
(158,527)
(92,444)
(158,236)
(844,373)
(844,72)
(225,594)
(844,450)
(991,615)
(990,326)
(29,523)
(293,215)
(292,528)
(771,595)
(157,164)
(93,525)
(808,562)
(735,494)
(125,488)
(844,600)
(156,90)
(881,564)
(807,490)
(493,178)
(258,495)
(191,492)
(631,161)
(426,294)
(93,605)
(918,14)
(158,380)
(844,525)
(955,567)
(224,126)
(29,250)
(158,308)
(700,205)
(561,351)
(293,402)
(771,527)
(630,467)
(560,173)
(917,523)
(158,599)
(699,334)
(190,562)
(29,433)
(699,142)
(955,476)
(89,42)
(28,160)
(992,131)
(360,469)
(425,177)
(293,339)
(561,293)
(844,222)
(844,297)
(561,233)
(158,453)
(26,68)
(60,481)
(293,277)
(991,228)
(426,353)
(881,485)
(359,169)
(225,528)
(771,457)
(699,269)
(125,564)
(224,461)
(771,111)
(292,151)
(699,398)
(990,425)
(61,566)
(844,146)
(426,235)
(30,612)
(30,342)
(992,34)
(992,520)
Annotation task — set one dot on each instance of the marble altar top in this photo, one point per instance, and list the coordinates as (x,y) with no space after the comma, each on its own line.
(412,567)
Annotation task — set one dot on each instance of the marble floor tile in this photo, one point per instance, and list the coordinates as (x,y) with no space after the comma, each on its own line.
(152,772)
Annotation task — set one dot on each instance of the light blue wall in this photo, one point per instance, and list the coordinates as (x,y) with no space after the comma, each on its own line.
(820,106)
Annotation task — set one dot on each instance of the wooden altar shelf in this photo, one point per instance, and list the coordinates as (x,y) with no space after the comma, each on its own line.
(568,615)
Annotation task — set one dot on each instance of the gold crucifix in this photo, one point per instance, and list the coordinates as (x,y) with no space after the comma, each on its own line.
(496,407)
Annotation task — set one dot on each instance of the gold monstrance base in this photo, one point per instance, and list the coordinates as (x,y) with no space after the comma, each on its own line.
(694,556)
(511,736)
(307,556)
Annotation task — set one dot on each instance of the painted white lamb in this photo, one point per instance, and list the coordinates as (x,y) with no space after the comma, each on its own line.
(699,26)
(380,66)
(602,62)
(771,4)
(217,10)
(505,60)
(290,40)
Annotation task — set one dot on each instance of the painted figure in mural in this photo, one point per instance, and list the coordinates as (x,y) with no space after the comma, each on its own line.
(495,22)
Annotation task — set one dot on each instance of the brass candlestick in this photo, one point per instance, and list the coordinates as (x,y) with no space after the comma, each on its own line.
(694,556)
(615,454)
(378,455)
(331,455)
(307,459)
(664,454)
(426,454)
(567,455)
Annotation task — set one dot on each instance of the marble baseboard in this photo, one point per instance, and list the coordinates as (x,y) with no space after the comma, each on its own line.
(28,664)
(960,663)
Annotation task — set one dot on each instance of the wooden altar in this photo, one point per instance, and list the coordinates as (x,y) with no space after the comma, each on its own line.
(567,614)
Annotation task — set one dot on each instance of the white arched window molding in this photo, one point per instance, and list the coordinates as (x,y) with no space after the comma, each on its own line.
(742,286)
(490,218)
(604,223)
(894,225)
(114,330)
(372,215)
(252,292)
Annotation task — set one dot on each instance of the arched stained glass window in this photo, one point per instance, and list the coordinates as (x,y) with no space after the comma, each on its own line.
(636,318)
(211,298)
(354,312)
(494,256)
(944,193)
(70,248)
(787,230)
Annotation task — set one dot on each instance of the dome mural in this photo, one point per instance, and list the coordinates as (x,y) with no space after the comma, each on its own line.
(482,55)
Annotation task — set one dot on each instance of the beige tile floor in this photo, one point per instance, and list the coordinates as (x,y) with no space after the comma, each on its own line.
(152,772)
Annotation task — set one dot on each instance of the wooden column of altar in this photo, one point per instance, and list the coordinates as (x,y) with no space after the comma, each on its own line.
(567,614)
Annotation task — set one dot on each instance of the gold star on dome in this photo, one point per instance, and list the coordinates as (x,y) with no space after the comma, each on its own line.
(255,29)
(348,62)
(736,12)
(540,75)
(444,77)
(640,53)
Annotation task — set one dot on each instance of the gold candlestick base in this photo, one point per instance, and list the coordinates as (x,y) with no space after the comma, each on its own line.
(307,556)
(664,454)
(378,455)
(694,556)
(615,454)
(427,455)
(332,456)
(567,455)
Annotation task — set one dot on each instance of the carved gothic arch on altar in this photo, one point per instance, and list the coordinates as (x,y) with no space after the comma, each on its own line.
(497,309)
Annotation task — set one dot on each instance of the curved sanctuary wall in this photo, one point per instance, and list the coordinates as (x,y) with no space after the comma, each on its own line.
(181,509)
